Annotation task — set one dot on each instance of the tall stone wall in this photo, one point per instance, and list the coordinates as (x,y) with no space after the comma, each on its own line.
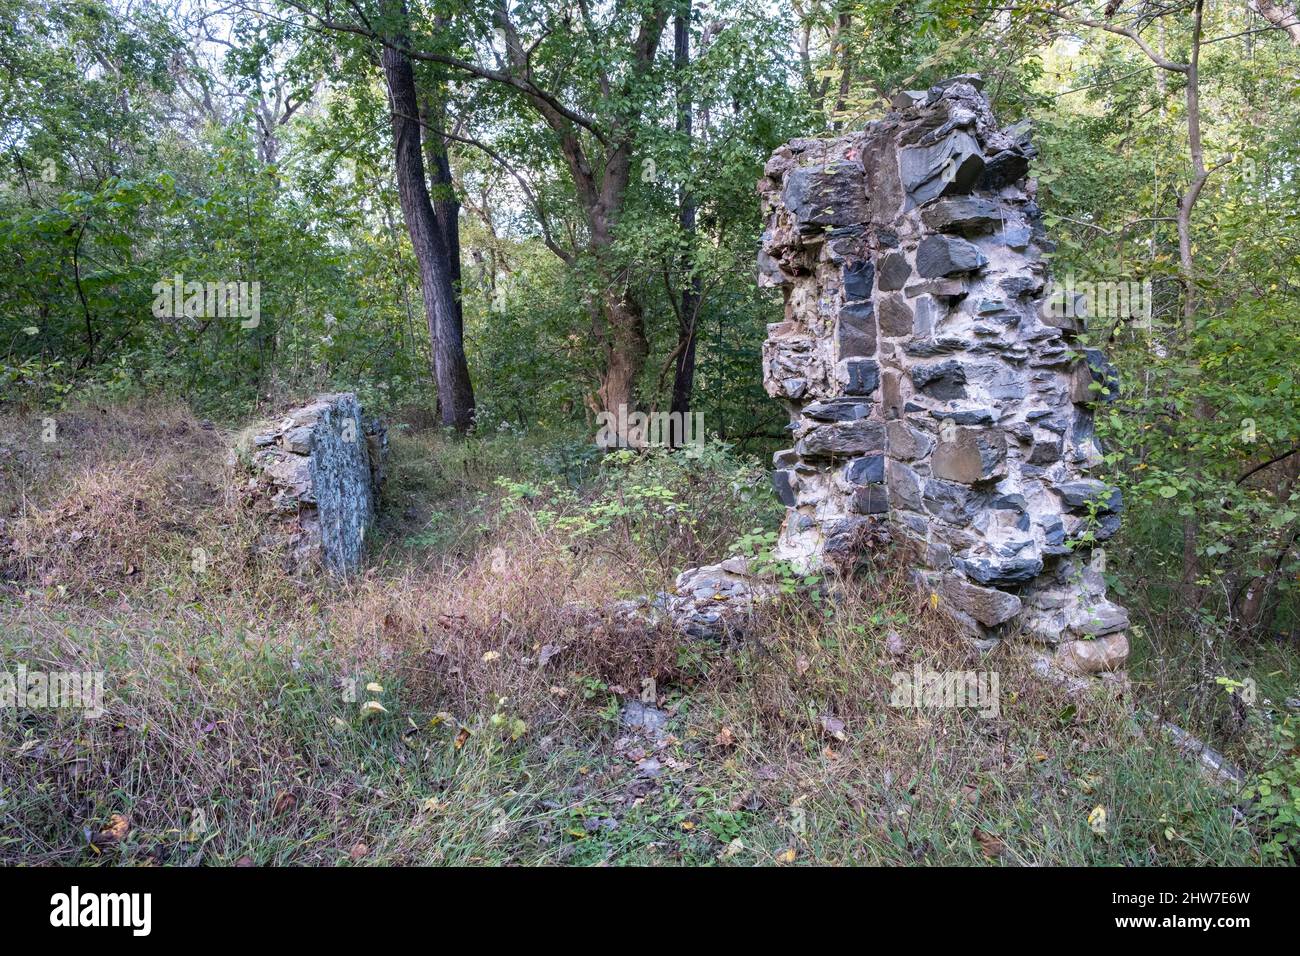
(936,387)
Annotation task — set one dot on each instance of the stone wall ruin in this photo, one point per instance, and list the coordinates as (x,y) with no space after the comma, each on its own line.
(316,475)
(935,385)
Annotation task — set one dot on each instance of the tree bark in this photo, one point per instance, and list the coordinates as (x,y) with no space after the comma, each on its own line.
(428,240)
(1190,589)
(1282,16)
(689,307)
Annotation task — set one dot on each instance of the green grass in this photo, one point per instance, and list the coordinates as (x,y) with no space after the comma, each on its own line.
(236,733)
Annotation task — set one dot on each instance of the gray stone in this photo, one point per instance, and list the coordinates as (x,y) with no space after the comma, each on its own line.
(895,316)
(988,606)
(782,481)
(1020,286)
(907,443)
(1016,237)
(865,471)
(964,214)
(1077,495)
(870,500)
(947,255)
(858,278)
(905,488)
(838,410)
(829,195)
(942,288)
(908,99)
(1004,168)
(1000,570)
(843,439)
(894,272)
(952,165)
(643,717)
(1094,618)
(856,331)
(863,376)
(971,455)
(954,503)
(942,380)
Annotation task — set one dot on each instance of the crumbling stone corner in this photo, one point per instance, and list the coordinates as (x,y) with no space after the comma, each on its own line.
(934,382)
(316,475)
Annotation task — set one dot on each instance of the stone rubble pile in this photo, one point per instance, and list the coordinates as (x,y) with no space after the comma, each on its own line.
(317,474)
(935,384)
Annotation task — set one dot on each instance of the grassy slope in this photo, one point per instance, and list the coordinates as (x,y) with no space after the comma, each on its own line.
(232,733)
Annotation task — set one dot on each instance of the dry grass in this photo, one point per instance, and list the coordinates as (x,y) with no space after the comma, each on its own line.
(233,732)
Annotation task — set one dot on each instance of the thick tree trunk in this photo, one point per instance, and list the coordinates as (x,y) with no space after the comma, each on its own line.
(626,349)
(446,207)
(625,343)
(437,283)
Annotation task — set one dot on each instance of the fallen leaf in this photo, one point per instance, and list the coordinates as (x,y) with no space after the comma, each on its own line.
(116,830)
(725,738)
(358,851)
(462,737)
(990,845)
(833,726)
(731,849)
(491,656)
(787,857)
(284,803)
(372,707)
(1097,820)
(374,688)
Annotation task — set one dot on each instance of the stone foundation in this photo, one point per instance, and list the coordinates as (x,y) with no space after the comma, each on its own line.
(316,475)
(936,387)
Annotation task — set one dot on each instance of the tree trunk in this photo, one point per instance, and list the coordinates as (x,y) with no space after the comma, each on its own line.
(689,307)
(446,207)
(437,283)
(1189,589)
(625,349)
(1282,16)
(624,341)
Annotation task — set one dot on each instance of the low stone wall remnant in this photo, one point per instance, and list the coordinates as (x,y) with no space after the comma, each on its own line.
(316,474)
